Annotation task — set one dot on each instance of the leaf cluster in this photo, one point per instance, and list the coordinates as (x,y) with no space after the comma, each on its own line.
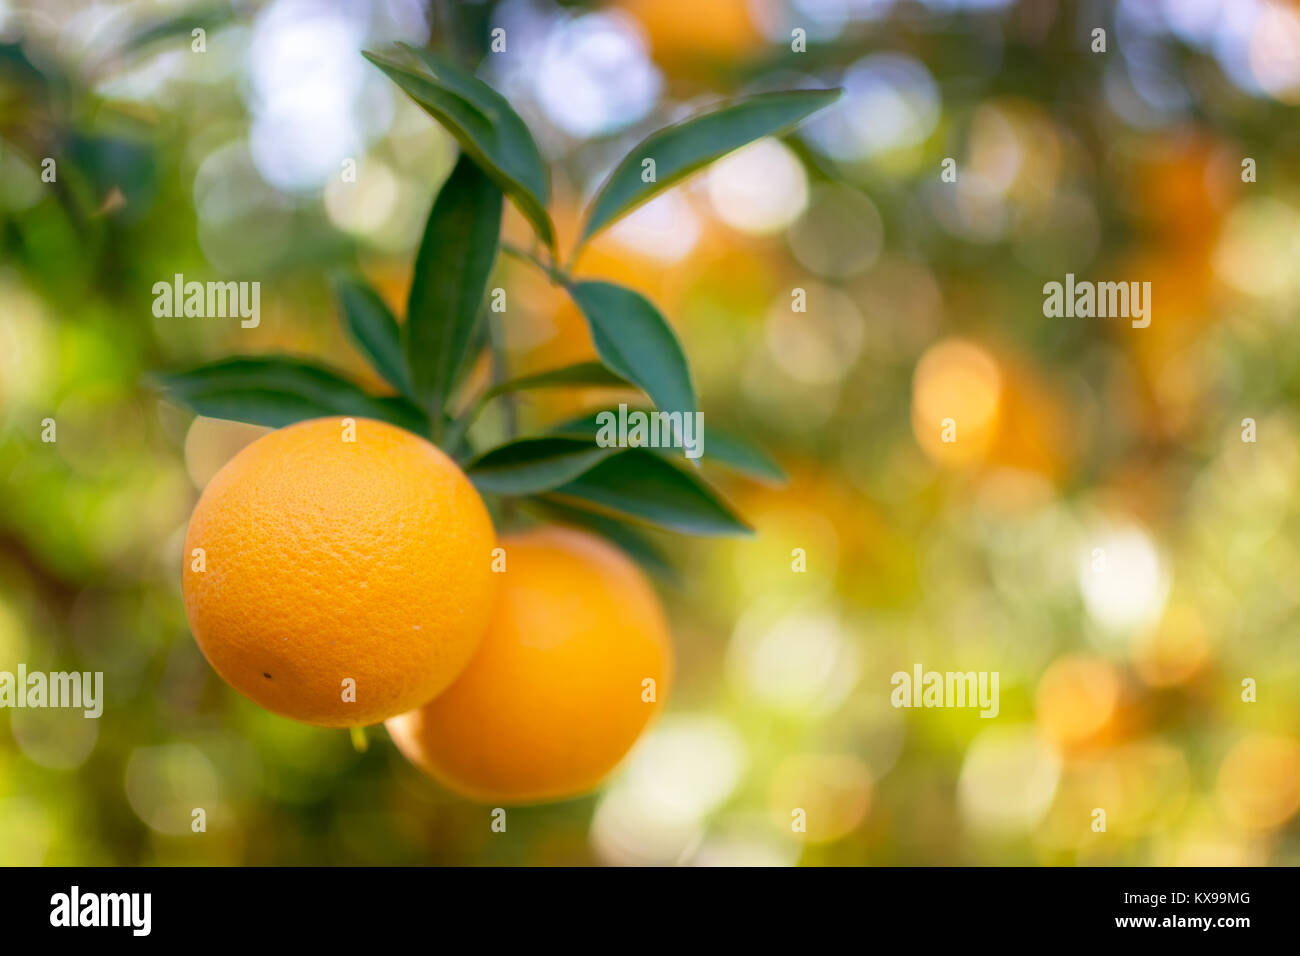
(562,473)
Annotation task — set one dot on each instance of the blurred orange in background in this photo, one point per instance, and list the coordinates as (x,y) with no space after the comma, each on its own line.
(1099,531)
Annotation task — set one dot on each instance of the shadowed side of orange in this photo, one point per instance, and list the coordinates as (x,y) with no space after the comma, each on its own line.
(338,571)
(576,662)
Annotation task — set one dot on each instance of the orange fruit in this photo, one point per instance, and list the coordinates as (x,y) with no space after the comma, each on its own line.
(683,31)
(336,569)
(575,663)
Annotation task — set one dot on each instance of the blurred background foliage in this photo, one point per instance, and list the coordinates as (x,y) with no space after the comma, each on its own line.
(1120,688)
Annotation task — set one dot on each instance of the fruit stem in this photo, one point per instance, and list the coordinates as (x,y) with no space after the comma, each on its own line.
(359,742)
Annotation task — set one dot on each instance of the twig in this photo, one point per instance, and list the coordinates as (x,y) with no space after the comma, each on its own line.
(558,276)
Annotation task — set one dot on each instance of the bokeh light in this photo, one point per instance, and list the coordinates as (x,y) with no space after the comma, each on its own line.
(1008,780)
(1259,782)
(956,395)
(1102,515)
(760,189)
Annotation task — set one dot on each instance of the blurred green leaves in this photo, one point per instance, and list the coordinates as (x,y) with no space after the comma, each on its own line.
(206,16)
(482,122)
(679,150)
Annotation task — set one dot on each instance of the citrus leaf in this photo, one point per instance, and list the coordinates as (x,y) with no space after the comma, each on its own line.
(681,149)
(638,484)
(624,536)
(256,406)
(483,123)
(636,342)
(587,426)
(581,373)
(279,390)
(451,273)
(531,465)
(729,449)
(479,340)
(401,411)
(375,330)
(718,447)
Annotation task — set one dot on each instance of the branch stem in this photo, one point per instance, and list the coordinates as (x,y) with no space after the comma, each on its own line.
(556,275)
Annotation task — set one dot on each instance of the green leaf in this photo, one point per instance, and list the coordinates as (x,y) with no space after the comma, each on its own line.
(632,541)
(402,412)
(480,338)
(483,123)
(581,373)
(257,406)
(209,17)
(279,390)
(451,273)
(638,484)
(375,331)
(635,342)
(681,149)
(719,447)
(531,465)
(729,449)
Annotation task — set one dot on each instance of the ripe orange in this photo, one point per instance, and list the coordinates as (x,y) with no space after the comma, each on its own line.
(682,31)
(560,688)
(336,569)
